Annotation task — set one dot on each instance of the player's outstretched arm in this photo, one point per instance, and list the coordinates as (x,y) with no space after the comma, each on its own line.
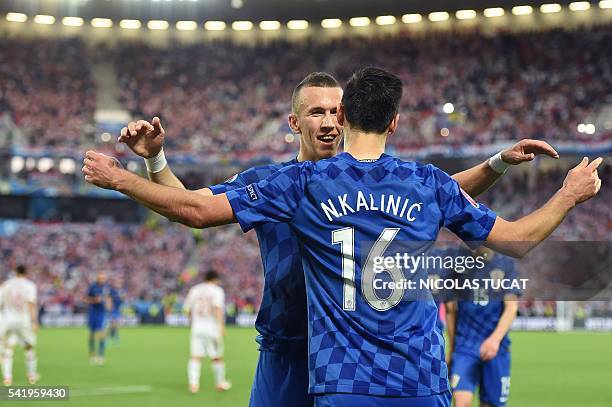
(490,346)
(478,179)
(187,207)
(517,238)
(147,140)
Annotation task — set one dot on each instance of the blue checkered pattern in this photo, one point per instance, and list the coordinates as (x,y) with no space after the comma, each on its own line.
(477,318)
(397,352)
(282,321)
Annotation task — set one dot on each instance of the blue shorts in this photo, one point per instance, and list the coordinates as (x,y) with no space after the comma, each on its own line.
(96,322)
(360,400)
(115,315)
(281,380)
(492,377)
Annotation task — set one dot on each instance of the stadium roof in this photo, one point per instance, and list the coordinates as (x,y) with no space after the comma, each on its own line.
(257,10)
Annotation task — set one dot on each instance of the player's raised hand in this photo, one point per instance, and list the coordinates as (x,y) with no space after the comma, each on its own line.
(526,150)
(144,138)
(582,182)
(489,348)
(101,170)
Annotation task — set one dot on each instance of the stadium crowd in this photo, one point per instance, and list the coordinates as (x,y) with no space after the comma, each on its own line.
(224,98)
(220,97)
(46,85)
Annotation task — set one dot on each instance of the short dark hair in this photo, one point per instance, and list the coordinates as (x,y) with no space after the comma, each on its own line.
(21,269)
(371,99)
(211,275)
(313,80)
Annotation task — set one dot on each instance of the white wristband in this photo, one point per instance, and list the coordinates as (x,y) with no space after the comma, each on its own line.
(157,163)
(497,164)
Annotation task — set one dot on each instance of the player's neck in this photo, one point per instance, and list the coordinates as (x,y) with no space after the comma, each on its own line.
(364,146)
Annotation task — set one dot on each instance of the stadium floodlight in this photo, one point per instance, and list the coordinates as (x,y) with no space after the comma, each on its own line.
(589,128)
(30,163)
(102,22)
(44,164)
(438,16)
(269,25)
(242,25)
(297,24)
(385,20)
(579,6)
(448,108)
(72,21)
(359,21)
(214,25)
(465,14)
(605,4)
(17,164)
(550,8)
(44,19)
(331,23)
(581,128)
(157,25)
(522,10)
(67,166)
(493,12)
(444,132)
(411,18)
(16,17)
(130,24)
(186,25)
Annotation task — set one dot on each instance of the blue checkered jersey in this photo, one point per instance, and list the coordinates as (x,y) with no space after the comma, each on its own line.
(98,290)
(477,317)
(363,338)
(282,320)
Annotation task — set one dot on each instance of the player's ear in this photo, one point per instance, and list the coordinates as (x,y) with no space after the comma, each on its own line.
(293,123)
(393,125)
(340,114)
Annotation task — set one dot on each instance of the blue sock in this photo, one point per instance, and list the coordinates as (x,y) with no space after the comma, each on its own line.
(113,333)
(92,344)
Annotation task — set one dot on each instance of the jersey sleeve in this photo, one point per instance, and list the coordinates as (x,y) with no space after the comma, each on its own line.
(91,291)
(469,220)
(219,299)
(32,294)
(274,199)
(234,182)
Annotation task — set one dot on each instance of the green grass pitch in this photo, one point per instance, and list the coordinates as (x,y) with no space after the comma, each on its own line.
(149,368)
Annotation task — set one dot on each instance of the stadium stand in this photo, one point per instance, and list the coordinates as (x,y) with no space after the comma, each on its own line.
(221,97)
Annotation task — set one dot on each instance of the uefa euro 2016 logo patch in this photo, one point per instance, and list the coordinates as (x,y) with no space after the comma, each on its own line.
(470,199)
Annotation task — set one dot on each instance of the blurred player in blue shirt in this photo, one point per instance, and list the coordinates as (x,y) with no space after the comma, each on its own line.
(115,312)
(98,298)
(368,349)
(478,334)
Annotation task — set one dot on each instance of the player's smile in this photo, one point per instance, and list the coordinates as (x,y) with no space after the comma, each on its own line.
(328,139)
